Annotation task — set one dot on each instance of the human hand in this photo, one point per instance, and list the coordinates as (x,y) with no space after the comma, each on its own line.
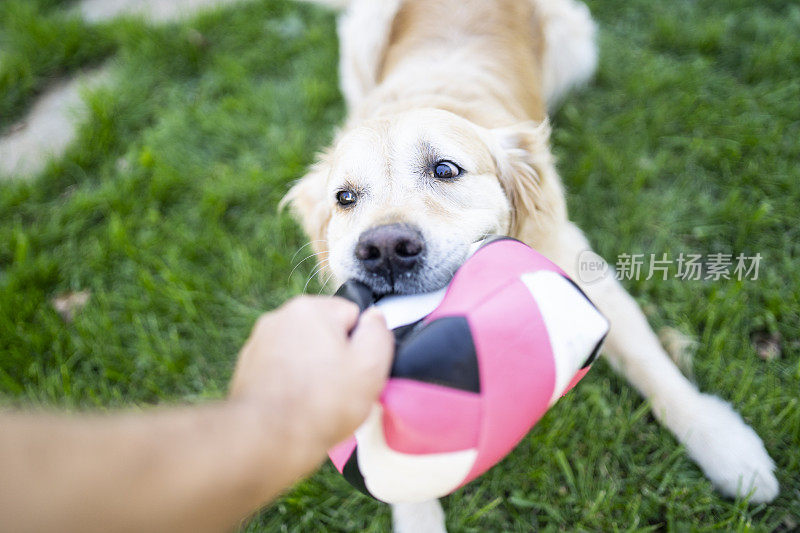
(302,360)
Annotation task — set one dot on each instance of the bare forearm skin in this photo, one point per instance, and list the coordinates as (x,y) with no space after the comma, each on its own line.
(198,469)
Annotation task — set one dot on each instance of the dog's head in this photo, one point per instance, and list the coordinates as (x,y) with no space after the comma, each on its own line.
(397,201)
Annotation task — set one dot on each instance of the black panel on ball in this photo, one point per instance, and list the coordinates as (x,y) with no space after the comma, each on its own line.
(352,473)
(401,333)
(441,352)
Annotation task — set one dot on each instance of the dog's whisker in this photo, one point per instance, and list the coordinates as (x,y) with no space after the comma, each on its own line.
(309,243)
(300,250)
(316,271)
(315,254)
(303,261)
(325,283)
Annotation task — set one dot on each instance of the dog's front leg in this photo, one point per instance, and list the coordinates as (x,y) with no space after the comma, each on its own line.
(422,517)
(727,450)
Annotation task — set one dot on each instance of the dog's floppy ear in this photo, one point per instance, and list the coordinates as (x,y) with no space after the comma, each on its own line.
(309,203)
(527,174)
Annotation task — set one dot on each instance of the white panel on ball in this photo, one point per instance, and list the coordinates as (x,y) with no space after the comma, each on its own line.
(563,309)
(398,477)
(402,310)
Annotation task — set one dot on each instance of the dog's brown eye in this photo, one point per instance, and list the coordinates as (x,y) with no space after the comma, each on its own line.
(446,170)
(346,198)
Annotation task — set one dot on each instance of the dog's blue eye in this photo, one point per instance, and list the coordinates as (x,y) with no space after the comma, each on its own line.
(346,198)
(446,170)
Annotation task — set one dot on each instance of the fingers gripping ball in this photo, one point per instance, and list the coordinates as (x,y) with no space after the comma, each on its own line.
(476,365)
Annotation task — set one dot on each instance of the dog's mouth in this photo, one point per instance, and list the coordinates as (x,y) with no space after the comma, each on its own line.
(420,279)
(431,273)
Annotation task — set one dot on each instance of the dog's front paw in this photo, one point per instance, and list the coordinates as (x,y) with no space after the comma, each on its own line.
(729,452)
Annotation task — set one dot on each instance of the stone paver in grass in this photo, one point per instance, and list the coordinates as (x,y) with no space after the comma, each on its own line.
(154,10)
(49,127)
(50,124)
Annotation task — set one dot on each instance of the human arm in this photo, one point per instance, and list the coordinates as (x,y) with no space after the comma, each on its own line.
(301,384)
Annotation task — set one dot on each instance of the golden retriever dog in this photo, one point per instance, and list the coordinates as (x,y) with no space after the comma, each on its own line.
(446,141)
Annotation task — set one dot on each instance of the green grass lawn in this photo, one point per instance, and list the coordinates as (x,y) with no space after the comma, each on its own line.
(165,209)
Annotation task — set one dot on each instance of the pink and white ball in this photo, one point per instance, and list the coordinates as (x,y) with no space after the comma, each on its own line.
(477,364)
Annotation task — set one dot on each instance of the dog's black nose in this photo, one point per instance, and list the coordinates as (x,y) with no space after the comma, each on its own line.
(390,250)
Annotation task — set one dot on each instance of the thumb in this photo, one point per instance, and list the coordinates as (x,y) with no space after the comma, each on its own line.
(373,344)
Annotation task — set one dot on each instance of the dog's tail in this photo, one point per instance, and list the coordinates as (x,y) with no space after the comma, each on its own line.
(570,56)
(364,27)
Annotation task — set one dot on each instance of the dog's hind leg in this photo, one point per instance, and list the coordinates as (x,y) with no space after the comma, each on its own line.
(727,450)
(422,517)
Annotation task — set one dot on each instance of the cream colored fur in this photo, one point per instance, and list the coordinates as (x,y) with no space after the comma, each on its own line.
(471,80)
